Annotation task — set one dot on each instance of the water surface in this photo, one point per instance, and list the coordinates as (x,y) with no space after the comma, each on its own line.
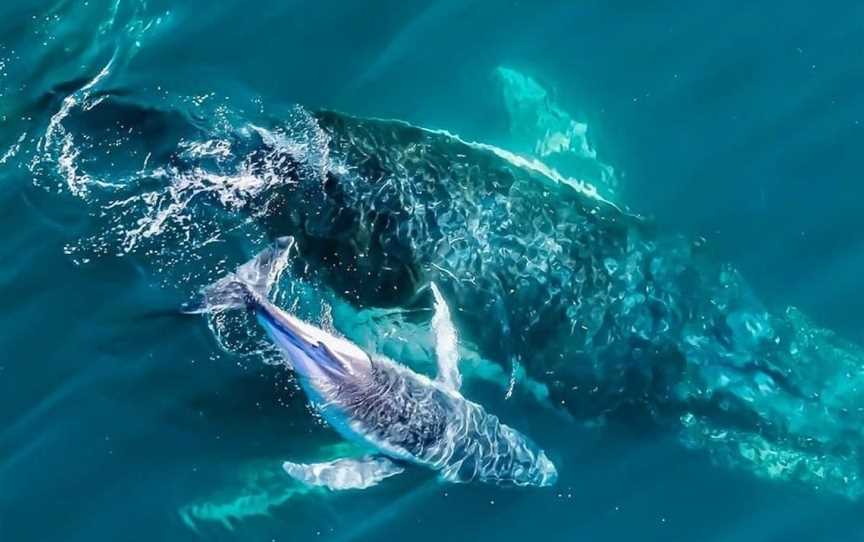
(121,419)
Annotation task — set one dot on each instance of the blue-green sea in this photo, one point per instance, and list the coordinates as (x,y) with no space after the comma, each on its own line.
(141,142)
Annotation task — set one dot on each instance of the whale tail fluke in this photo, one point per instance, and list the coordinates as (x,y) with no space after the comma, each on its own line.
(251,283)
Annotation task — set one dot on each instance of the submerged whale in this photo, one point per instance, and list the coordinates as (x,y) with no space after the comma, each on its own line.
(616,318)
(400,415)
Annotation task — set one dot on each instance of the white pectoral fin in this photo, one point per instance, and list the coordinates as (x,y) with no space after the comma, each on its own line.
(347,473)
(446,343)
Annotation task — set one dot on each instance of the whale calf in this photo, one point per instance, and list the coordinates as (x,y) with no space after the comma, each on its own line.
(401,416)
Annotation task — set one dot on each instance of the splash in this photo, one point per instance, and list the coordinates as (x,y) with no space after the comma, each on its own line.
(168,187)
(173,194)
(121,33)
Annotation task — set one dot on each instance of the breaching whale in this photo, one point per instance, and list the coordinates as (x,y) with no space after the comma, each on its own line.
(401,416)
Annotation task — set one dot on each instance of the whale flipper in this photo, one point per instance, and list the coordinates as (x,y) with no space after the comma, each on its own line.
(446,343)
(345,473)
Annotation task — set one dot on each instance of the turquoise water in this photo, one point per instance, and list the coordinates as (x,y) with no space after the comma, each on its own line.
(121,419)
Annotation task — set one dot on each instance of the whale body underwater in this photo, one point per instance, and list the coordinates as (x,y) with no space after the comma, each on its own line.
(611,316)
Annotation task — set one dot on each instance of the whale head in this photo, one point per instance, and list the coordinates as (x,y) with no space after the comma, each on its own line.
(321,360)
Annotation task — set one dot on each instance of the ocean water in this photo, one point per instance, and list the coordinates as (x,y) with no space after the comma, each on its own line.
(131,164)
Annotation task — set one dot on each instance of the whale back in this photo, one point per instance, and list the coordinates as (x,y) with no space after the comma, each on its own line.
(561,273)
(410,417)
